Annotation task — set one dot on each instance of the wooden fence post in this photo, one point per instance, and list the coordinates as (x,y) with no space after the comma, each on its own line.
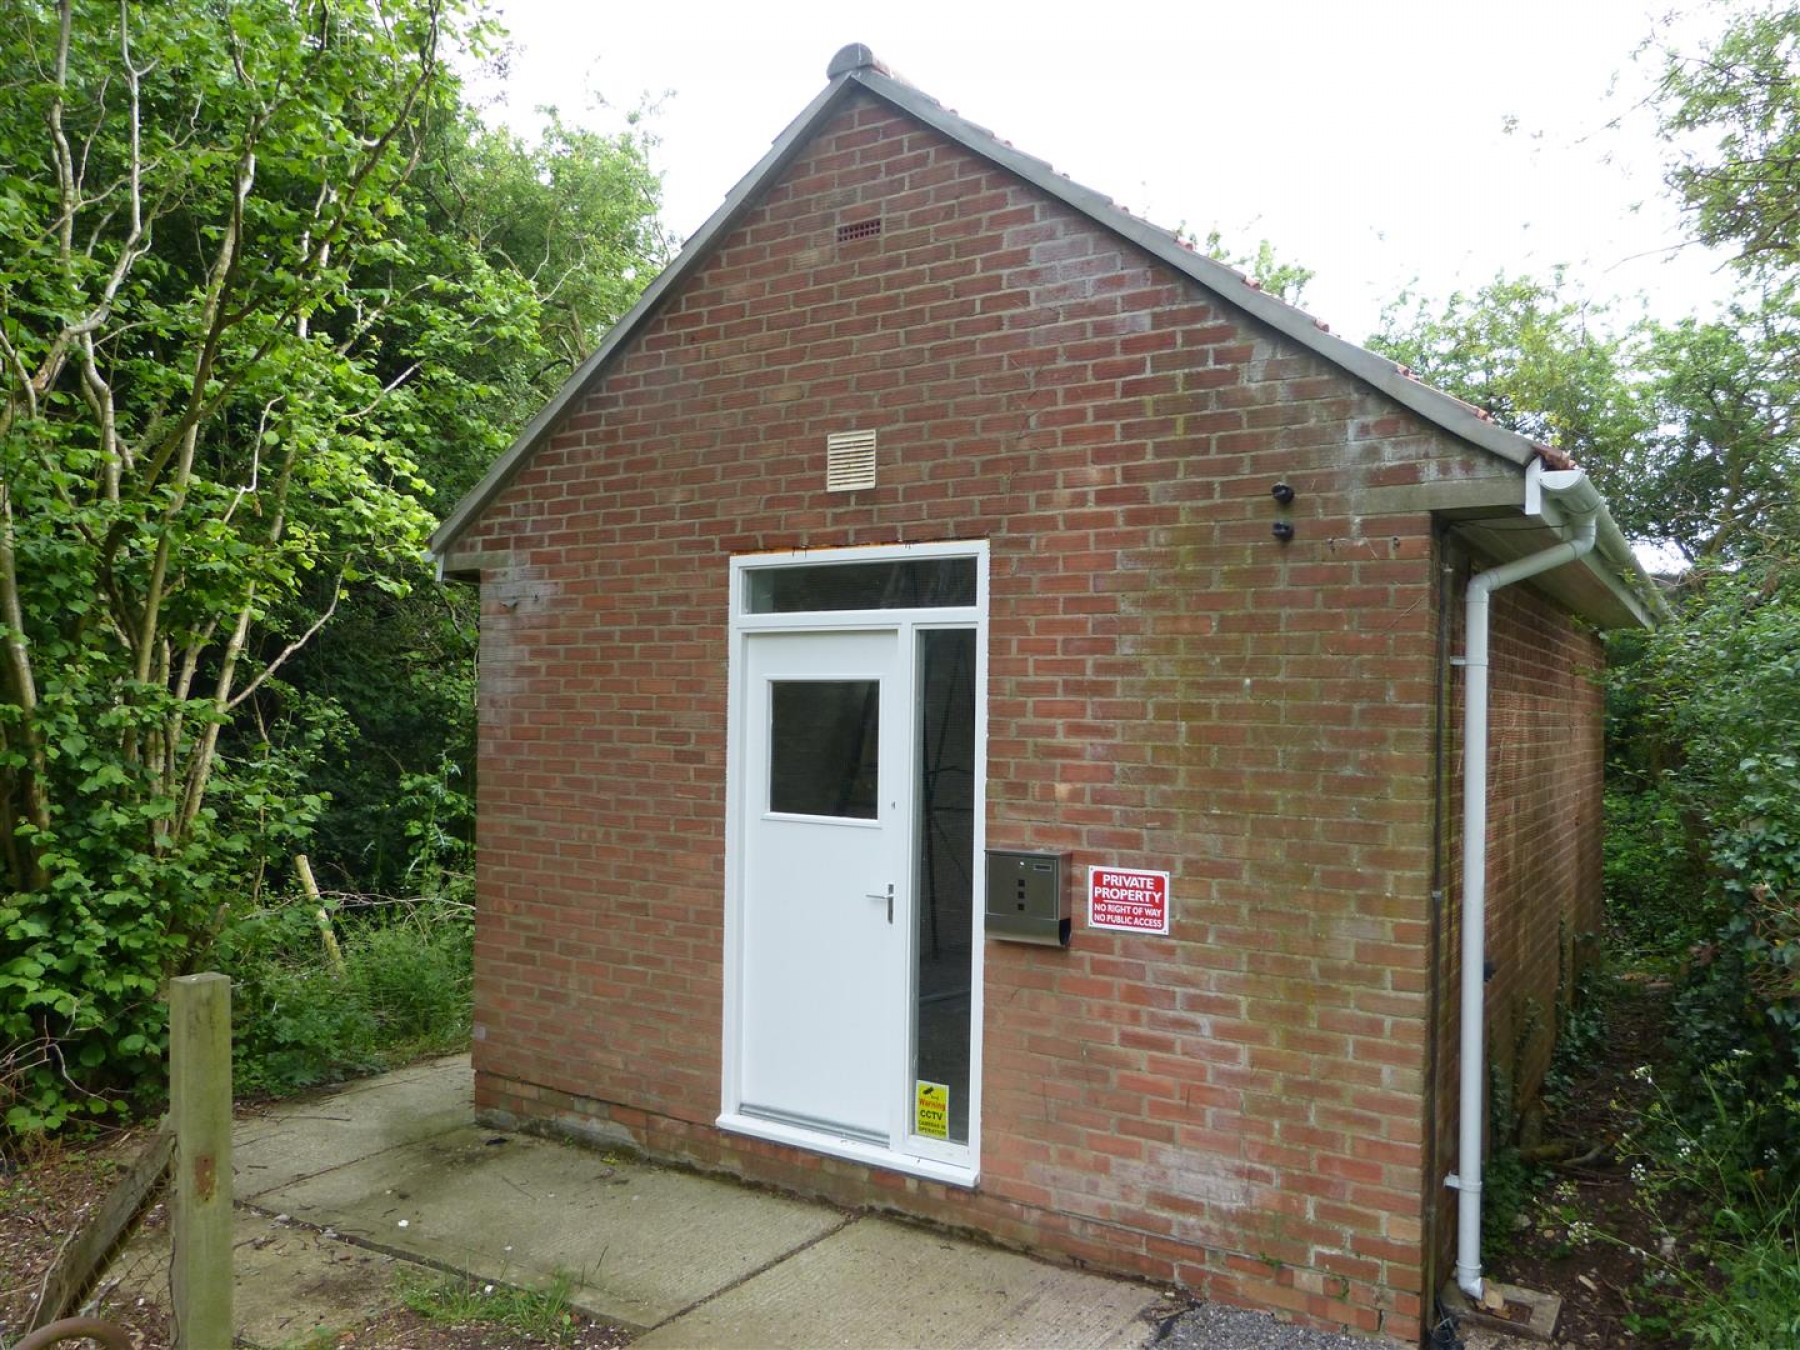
(200,1111)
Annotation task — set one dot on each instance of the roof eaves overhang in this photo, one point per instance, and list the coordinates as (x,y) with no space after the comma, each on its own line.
(1608,586)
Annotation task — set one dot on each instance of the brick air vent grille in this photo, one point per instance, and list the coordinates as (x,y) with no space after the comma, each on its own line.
(849,461)
(861,229)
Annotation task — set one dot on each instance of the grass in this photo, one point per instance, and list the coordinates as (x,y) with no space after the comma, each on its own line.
(544,1314)
(298,1020)
(1708,1155)
(1759,1307)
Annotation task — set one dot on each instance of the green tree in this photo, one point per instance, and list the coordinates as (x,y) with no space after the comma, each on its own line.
(1687,427)
(1541,362)
(1741,94)
(519,257)
(1716,469)
(1714,693)
(1544,364)
(1283,280)
(514,260)
(1727,392)
(193,462)
(261,276)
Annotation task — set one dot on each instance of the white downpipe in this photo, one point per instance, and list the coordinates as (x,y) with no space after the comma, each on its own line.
(1578,500)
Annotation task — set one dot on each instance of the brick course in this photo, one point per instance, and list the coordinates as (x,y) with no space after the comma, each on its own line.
(1240,1106)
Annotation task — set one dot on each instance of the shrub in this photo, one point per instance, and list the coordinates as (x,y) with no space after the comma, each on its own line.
(1721,689)
(297,1021)
(539,1315)
(1761,1310)
(1656,892)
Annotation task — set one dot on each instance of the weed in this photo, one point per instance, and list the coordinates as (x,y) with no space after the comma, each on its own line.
(1761,1310)
(1711,1154)
(544,1314)
(1507,1180)
(404,992)
(1561,1211)
(1582,1038)
(1507,1183)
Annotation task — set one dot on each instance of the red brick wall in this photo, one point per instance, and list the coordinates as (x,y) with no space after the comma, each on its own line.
(1546,761)
(1238,1106)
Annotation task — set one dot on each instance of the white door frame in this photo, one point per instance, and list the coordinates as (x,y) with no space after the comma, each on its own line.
(956,1164)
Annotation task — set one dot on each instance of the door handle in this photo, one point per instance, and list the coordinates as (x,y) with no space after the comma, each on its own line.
(888,896)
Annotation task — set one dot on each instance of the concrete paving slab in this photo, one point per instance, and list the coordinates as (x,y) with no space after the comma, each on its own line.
(303,1138)
(1524,1314)
(642,1242)
(287,1282)
(881,1282)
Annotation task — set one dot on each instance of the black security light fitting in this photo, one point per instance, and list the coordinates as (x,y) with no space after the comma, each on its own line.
(1282,530)
(1283,494)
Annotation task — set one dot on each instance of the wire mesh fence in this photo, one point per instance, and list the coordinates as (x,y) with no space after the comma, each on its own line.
(132,1288)
(111,1258)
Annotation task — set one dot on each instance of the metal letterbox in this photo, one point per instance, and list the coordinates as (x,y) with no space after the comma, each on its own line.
(1028,897)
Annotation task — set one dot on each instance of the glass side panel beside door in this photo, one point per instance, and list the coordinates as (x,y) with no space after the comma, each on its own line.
(943,942)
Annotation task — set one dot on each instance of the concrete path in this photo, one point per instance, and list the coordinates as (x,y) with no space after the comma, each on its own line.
(395,1167)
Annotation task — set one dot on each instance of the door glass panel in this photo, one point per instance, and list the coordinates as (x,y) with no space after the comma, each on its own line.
(825,747)
(946,834)
(901,583)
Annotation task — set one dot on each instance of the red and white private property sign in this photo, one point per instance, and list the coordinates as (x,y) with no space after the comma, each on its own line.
(1129,900)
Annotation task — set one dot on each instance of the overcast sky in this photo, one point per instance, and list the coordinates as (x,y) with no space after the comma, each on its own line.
(1366,139)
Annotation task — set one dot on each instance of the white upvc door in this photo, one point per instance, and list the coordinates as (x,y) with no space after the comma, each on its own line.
(827,817)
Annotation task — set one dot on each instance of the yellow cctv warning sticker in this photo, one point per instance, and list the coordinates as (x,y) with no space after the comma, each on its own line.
(931,1110)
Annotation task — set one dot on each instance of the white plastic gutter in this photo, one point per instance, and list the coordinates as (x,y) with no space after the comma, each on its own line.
(1575,504)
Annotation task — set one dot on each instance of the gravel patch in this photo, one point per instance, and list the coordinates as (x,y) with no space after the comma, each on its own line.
(1212,1326)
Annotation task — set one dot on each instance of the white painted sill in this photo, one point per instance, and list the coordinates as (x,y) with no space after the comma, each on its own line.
(855,1150)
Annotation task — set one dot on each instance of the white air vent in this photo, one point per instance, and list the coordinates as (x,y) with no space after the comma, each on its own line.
(849,461)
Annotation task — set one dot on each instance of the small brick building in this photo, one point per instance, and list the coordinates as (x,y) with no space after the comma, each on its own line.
(911,562)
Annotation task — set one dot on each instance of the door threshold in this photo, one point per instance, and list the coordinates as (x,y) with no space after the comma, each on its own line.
(962,1175)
